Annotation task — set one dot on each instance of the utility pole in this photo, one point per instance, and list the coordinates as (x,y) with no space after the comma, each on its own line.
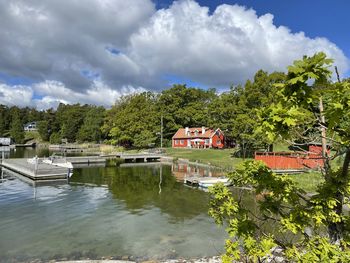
(161,132)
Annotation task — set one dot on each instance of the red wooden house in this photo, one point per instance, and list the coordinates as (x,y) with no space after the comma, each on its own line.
(198,138)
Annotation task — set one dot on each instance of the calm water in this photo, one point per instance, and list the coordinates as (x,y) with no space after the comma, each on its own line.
(140,212)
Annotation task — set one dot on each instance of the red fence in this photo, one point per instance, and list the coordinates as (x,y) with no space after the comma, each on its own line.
(290,160)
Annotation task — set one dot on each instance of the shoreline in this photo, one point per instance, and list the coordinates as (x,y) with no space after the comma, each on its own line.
(214,259)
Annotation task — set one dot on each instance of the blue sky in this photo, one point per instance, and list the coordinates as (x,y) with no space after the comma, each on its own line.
(62,51)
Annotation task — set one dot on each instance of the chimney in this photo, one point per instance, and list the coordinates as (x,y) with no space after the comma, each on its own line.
(186,131)
(203,129)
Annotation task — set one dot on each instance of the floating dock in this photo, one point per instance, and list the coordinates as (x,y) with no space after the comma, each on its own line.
(49,171)
(40,171)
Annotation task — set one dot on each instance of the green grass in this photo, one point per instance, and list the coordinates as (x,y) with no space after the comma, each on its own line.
(216,157)
(281,147)
(307,181)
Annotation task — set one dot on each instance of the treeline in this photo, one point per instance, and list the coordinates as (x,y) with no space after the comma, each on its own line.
(76,122)
(135,120)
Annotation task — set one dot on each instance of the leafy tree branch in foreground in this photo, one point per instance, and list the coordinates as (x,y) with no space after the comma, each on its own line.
(308,227)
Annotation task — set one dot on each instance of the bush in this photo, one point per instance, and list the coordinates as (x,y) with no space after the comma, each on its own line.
(55,138)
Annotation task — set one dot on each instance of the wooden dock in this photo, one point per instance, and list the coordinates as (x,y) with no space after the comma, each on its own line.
(40,171)
(136,157)
(89,160)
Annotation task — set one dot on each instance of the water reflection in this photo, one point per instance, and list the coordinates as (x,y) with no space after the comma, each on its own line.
(182,170)
(142,188)
(114,211)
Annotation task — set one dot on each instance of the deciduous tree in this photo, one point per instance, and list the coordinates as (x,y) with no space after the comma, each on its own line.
(316,224)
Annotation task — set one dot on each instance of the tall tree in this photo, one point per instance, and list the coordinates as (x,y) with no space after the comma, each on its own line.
(134,120)
(16,131)
(184,107)
(90,131)
(4,119)
(70,118)
(303,217)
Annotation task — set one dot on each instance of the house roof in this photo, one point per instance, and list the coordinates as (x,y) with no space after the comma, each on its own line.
(181,133)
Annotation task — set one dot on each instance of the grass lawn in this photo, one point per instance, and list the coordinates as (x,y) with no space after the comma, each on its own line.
(216,157)
(307,181)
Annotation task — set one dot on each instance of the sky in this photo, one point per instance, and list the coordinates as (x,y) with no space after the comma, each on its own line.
(65,51)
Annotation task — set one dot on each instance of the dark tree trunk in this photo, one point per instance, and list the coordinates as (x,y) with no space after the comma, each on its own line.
(336,229)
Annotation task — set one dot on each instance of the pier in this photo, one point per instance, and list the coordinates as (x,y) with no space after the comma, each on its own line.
(56,168)
(136,157)
(35,171)
(39,170)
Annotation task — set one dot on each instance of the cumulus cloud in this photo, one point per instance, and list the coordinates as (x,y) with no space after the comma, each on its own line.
(58,40)
(54,92)
(49,94)
(228,46)
(15,95)
(102,49)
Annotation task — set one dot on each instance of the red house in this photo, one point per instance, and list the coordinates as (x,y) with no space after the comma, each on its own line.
(198,138)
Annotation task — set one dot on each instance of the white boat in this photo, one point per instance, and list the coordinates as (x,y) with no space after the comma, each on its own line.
(207,182)
(58,162)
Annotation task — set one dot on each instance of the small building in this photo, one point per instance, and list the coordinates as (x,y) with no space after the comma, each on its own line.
(198,138)
(31,126)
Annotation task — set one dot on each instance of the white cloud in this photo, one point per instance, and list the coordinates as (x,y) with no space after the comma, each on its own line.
(54,92)
(15,95)
(94,53)
(228,46)
(49,94)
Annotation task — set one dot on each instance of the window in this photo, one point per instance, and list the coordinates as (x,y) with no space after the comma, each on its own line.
(176,142)
(218,142)
(206,141)
(181,141)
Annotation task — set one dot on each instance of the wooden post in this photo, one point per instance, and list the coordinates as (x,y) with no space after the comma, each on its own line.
(323,130)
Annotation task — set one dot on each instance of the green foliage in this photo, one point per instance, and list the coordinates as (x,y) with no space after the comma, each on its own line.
(70,118)
(90,131)
(184,107)
(309,228)
(280,203)
(55,138)
(3,120)
(16,131)
(43,129)
(134,120)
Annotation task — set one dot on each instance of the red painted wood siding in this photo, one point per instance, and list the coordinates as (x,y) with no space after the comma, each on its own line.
(179,144)
(287,161)
(216,138)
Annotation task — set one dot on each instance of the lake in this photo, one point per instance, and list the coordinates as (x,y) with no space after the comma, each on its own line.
(135,212)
